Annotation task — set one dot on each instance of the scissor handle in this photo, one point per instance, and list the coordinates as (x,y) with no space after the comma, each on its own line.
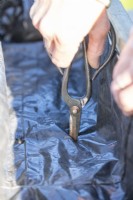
(80,102)
(111,52)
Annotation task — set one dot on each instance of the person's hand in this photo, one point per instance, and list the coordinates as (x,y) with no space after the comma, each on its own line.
(63,25)
(122,84)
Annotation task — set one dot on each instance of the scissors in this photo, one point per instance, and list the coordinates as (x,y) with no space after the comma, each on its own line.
(76,104)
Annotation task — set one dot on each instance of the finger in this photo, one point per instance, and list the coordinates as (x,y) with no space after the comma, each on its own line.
(128,114)
(34,8)
(123,71)
(48,46)
(39,11)
(124,79)
(97,38)
(123,98)
(62,55)
(126,100)
(95,50)
(115,91)
(124,62)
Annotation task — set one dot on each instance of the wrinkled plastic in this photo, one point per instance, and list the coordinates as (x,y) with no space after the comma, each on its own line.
(45,162)
(38,158)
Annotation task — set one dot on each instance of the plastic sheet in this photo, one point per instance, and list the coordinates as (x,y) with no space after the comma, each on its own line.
(46,163)
(38,158)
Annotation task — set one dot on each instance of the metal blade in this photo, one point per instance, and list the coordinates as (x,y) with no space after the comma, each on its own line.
(75,114)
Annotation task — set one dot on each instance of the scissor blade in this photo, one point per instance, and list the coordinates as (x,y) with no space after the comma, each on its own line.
(74,122)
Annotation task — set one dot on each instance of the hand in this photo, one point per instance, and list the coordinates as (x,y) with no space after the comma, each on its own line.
(63,25)
(122,84)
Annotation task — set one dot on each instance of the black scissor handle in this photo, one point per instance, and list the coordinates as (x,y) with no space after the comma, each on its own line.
(80,102)
(112,36)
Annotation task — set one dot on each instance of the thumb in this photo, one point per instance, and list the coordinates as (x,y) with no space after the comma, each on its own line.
(97,38)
